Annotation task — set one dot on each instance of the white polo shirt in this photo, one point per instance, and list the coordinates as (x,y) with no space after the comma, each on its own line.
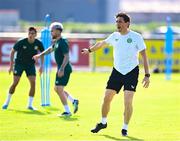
(125,50)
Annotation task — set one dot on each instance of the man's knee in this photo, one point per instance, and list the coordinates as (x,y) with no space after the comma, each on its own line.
(108,96)
(128,97)
(59,89)
(107,99)
(14,85)
(32,81)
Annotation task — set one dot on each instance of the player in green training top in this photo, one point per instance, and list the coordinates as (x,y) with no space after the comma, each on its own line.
(64,69)
(25,49)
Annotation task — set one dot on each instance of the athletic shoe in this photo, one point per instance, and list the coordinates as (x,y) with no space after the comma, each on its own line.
(124,132)
(5,106)
(32,108)
(65,114)
(98,127)
(75,105)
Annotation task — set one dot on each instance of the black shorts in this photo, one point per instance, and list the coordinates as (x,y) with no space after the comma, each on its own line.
(63,81)
(129,80)
(29,69)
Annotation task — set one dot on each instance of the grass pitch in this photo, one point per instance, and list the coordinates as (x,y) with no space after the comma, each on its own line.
(156,114)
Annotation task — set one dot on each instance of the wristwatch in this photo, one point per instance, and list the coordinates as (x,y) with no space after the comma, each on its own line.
(89,50)
(147,75)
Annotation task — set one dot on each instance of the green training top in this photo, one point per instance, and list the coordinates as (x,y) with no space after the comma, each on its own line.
(26,50)
(61,47)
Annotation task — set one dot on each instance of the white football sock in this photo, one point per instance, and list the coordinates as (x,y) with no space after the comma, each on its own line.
(30,101)
(125,126)
(8,99)
(70,98)
(104,120)
(66,108)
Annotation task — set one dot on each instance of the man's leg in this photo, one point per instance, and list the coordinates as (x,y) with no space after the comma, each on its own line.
(128,109)
(60,91)
(11,91)
(74,101)
(69,97)
(32,80)
(109,94)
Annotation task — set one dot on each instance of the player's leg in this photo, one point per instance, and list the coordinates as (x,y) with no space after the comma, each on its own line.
(14,84)
(60,91)
(60,83)
(74,101)
(69,97)
(113,87)
(17,72)
(32,81)
(64,80)
(128,109)
(31,75)
(11,91)
(109,94)
(130,83)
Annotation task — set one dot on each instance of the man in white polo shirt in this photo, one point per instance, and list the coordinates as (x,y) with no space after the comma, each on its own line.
(126,46)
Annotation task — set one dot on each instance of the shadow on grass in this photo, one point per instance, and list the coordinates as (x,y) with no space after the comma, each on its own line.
(71,118)
(119,139)
(31,112)
(50,108)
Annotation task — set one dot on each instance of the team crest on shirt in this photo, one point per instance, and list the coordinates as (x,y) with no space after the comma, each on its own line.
(15,71)
(116,40)
(36,47)
(56,46)
(24,47)
(129,40)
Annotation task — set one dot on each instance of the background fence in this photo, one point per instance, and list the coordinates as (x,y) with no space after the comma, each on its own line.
(100,59)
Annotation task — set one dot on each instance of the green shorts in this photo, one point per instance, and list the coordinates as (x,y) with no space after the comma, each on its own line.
(29,69)
(62,81)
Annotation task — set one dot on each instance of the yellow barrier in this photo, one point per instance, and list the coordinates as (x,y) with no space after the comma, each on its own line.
(155,52)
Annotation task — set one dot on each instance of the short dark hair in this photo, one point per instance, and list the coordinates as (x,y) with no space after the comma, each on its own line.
(32,29)
(60,29)
(125,16)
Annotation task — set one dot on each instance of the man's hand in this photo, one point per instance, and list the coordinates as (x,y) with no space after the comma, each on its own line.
(60,72)
(36,57)
(146,82)
(85,51)
(10,69)
(41,70)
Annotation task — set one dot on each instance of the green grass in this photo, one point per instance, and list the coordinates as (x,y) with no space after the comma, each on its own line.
(156,114)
